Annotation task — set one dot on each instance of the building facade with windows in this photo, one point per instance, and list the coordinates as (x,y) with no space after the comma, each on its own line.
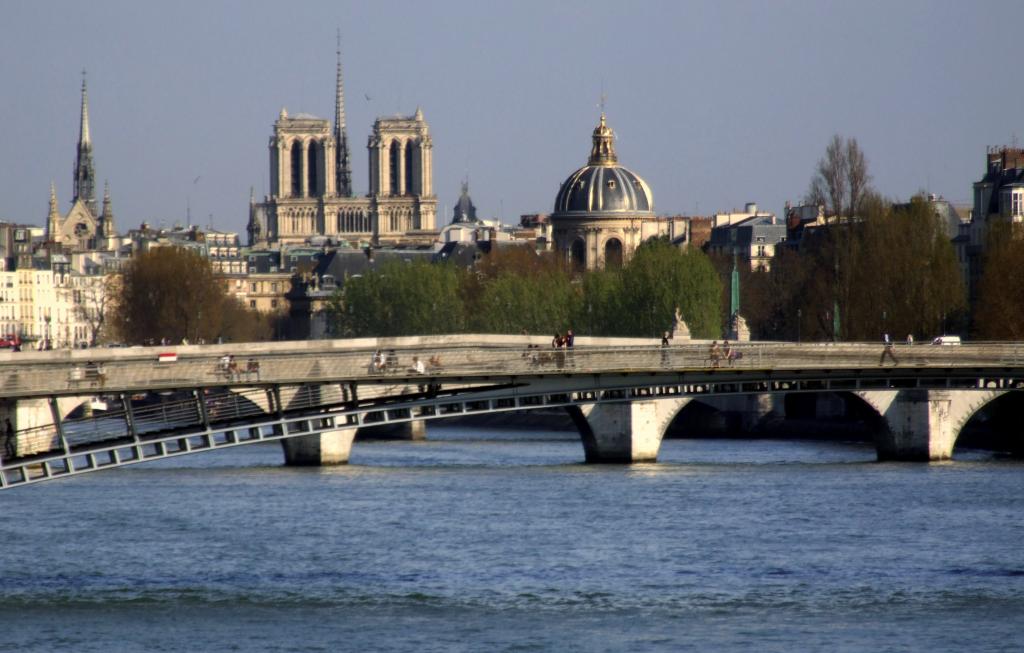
(998,198)
(752,240)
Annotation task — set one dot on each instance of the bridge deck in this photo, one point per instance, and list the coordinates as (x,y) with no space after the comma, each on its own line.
(207,406)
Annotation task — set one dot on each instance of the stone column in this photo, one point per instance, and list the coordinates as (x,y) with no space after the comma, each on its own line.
(624,432)
(330,170)
(304,168)
(401,168)
(285,168)
(330,448)
(275,168)
(427,172)
(384,168)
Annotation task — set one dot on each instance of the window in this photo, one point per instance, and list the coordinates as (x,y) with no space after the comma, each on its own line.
(273,287)
(252,303)
(1017,202)
(252,287)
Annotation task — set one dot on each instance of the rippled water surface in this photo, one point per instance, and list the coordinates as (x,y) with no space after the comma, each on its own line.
(491,541)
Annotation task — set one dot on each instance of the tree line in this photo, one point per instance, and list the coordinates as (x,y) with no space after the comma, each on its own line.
(516,290)
(892,271)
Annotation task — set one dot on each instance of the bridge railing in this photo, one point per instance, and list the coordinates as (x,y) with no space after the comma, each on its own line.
(72,379)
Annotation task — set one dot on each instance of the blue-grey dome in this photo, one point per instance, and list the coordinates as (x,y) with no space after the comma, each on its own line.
(604,189)
(603,186)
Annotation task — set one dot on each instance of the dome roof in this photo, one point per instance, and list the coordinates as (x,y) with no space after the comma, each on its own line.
(604,189)
(603,186)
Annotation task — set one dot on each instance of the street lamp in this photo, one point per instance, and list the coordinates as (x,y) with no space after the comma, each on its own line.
(799,319)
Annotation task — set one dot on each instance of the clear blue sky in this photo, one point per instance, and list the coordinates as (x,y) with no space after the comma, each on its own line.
(714,103)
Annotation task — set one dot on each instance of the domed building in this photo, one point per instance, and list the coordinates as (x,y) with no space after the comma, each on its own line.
(603,211)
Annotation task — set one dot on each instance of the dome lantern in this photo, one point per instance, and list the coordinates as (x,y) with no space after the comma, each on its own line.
(603,151)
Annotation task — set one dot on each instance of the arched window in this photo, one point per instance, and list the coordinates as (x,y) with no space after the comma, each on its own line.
(394,155)
(296,157)
(313,182)
(578,254)
(408,168)
(613,253)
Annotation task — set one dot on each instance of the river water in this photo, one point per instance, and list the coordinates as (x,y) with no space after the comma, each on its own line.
(483,540)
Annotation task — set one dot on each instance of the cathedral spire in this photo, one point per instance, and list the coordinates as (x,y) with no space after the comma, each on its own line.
(342,168)
(106,221)
(85,175)
(53,217)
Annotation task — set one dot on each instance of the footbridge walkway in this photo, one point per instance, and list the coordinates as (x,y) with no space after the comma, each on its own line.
(71,412)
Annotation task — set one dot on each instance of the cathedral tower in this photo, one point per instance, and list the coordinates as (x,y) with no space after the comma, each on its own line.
(311,193)
(85,174)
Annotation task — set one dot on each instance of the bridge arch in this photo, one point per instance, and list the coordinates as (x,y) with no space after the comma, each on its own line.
(924,424)
(994,424)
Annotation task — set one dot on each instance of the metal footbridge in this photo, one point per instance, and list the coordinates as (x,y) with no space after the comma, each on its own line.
(84,411)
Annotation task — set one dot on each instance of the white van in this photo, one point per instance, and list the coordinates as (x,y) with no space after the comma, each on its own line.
(946,340)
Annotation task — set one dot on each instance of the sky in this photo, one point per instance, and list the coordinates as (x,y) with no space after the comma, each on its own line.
(714,103)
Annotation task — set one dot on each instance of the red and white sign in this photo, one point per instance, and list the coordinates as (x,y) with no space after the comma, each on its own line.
(168,357)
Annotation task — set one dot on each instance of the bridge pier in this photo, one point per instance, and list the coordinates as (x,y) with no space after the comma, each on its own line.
(329,448)
(412,430)
(28,414)
(923,425)
(627,432)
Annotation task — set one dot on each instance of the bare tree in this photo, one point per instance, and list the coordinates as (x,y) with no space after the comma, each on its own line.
(95,300)
(841,179)
(858,180)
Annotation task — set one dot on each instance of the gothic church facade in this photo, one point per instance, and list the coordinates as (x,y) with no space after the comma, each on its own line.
(311,183)
(82,228)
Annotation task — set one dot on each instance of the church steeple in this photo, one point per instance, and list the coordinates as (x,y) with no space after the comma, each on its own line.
(106,221)
(85,174)
(53,217)
(342,167)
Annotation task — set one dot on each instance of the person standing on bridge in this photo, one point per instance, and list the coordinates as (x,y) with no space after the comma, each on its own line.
(8,439)
(887,351)
(714,354)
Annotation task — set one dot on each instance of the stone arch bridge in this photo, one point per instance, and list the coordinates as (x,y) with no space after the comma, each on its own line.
(72,412)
